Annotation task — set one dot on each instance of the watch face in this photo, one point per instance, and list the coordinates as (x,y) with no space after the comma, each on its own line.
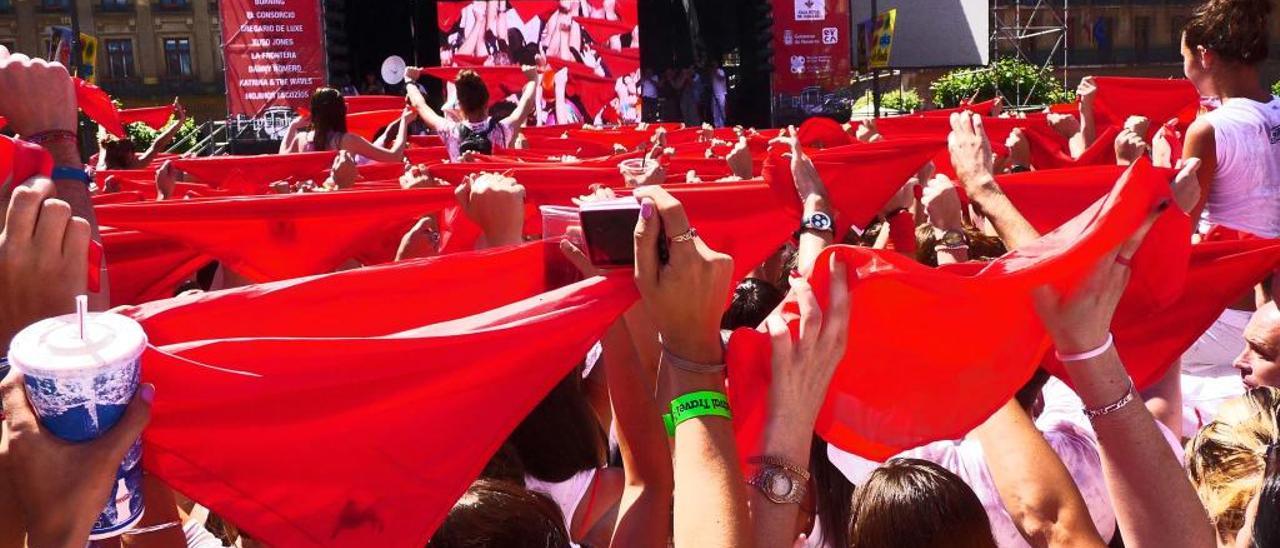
(820,221)
(779,485)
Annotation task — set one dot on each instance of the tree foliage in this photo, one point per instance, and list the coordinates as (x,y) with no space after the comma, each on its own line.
(1017,81)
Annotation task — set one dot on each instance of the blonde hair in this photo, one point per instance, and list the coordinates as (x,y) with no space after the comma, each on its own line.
(1227,458)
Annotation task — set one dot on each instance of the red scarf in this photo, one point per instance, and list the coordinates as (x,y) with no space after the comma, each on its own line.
(1158,99)
(529,9)
(357,104)
(154,117)
(280,236)
(387,431)
(601,30)
(97,105)
(366,124)
(1150,337)
(144,268)
(1048,150)
(859,178)
(620,63)
(898,387)
(252,174)
(501,81)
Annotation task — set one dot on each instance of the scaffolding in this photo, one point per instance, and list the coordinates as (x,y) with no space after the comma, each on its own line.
(1018,26)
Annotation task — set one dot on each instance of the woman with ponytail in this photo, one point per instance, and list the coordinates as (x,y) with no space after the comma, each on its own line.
(1238,147)
(1238,144)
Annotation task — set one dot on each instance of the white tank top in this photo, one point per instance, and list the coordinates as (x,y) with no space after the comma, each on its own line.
(1245,194)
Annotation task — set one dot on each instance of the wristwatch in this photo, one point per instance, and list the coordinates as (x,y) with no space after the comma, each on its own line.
(819,222)
(780,481)
(952,239)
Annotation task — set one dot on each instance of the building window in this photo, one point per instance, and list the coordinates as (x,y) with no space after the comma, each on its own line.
(177,56)
(6,6)
(1178,23)
(54,4)
(115,5)
(120,59)
(174,4)
(1142,38)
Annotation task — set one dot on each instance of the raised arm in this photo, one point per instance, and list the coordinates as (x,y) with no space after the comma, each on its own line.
(1034,486)
(1155,505)
(686,297)
(1087,91)
(288,144)
(428,115)
(802,371)
(359,145)
(971,157)
(813,196)
(524,108)
(166,137)
(1201,143)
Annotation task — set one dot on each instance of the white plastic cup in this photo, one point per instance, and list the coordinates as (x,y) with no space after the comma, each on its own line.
(80,386)
(634,167)
(558,221)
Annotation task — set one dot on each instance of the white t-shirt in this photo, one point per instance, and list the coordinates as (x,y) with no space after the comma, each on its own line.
(501,135)
(1068,433)
(1245,194)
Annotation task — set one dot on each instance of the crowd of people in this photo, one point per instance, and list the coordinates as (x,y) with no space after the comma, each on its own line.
(639,445)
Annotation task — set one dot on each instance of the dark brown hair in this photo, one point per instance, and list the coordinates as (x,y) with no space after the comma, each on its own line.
(328,116)
(912,503)
(499,513)
(562,435)
(752,301)
(473,96)
(119,153)
(1236,30)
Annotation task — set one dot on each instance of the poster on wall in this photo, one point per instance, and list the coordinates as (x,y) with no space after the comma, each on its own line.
(274,57)
(591,49)
(812,62)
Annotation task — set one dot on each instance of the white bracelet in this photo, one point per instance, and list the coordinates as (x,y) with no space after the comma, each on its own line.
(1086,355)
(153,528)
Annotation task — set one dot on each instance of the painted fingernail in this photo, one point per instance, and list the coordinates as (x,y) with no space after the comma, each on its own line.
(646,209)
(147,392)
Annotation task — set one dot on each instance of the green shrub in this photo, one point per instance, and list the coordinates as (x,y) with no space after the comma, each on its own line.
(1020,83)
(142,135)
(900,100)
(1275,88)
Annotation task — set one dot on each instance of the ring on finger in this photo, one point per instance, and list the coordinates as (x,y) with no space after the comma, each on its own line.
(686,236)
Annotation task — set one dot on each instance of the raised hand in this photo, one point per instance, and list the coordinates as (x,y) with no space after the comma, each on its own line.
(1087,92)
(496,203)
(1129,147)
(739,159)
(802,369)
(1138,124)
(49,102)
(686,295)
(970,149)
(1066,125)
(1019,148)
(43,258)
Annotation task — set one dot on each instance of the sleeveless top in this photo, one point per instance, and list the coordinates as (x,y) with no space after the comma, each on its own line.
(1245,194)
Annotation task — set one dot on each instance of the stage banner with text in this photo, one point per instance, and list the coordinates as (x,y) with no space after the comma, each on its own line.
(812,50)
(273,51)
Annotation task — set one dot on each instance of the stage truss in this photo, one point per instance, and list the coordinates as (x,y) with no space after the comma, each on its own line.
(1017,24)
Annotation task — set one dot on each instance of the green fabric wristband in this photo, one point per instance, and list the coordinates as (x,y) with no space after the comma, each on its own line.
(696,404)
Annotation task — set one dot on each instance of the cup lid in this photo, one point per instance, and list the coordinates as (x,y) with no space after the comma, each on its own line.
(53,347)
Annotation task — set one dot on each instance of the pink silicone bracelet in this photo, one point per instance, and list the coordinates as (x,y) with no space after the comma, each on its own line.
(1086,355)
